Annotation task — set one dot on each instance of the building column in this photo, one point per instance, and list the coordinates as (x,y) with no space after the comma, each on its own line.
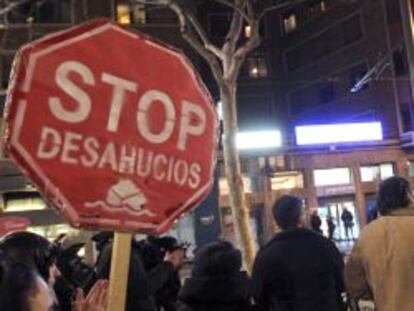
(359,195)
(310,186)
(401,168)
(268,203)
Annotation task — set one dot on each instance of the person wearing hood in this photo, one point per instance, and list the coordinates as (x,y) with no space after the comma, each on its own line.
(381,264)
(217,282)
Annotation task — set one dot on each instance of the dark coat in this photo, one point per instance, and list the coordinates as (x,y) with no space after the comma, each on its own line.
(217,292)
(139,294)
(165,283)
(298,270)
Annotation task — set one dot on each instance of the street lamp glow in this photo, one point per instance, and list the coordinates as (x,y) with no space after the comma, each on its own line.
(338,133)
(259,140)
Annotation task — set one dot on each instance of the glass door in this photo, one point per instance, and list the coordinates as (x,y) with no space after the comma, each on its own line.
(334,210)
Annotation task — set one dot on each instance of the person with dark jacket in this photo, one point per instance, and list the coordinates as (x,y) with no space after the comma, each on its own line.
(298,270)
(165,279)
(216,282)
(139,293)
(315,222)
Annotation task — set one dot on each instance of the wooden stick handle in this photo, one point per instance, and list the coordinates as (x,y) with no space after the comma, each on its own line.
(118,280)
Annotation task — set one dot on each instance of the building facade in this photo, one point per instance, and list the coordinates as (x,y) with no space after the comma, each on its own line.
(305,72)
(316,55)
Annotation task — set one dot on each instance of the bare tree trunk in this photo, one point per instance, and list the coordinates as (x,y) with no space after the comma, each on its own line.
(233,173)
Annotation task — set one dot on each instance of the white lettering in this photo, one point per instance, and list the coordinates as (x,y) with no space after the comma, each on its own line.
(83,108)
(91,157)
(69,146)
(187,127)
(144,169)
(120,86)
(50,142)
(108,157)
(180,172)
(127,161)
(144,105)
(159,174)
(194,180)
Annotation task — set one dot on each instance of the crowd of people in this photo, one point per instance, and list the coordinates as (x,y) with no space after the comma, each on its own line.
(298,270)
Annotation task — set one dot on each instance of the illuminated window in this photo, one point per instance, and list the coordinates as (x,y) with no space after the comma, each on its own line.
(23,201)
(317,8)
(247,31)
(333,176)
(139,14)
(259,139)
(376,172)
(290,23)
(51,232)
(123,14)
(410,165)
(286,180)
(257,67)
(224,186)
(338,133)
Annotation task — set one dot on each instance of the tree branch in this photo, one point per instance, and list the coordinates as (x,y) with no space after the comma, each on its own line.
(235,8)
(233,35)
(203,36)
(12,6)
(191,38)
(232,68)
(184,15)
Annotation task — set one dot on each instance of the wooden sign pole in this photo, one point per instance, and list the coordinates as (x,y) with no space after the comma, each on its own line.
(118,280)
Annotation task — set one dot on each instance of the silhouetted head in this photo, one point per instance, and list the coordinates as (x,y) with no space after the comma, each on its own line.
(23,289)
(288,212)
(217,258)
(393,193)
(32,250)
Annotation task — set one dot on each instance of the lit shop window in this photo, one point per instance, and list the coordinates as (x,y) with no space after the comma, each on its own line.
(127,13)
(290,23)
(410,168)
(258,140)
(123,14)
(286,180)
(257,67)
(247,31)
(333,176)
(23,201)
(317,8)
(225,190)
(51,232)
(376,172)
(139,14)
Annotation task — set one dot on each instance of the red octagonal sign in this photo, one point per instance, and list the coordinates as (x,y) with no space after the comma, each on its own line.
(115,129)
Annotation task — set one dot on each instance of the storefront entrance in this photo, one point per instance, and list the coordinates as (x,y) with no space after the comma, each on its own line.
(334,208)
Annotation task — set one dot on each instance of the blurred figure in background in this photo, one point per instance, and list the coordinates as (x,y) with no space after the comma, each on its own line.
(331,227)
(315,222)
(164,276)
(348,221)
